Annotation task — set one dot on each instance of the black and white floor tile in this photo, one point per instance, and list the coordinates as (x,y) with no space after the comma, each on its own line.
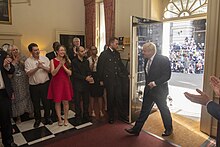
(25,134)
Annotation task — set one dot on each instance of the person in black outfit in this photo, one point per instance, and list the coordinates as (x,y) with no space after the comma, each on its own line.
(50,56)
(6,94)
(82,77)
(71,52)
(96,90)
(157,73)
(110,69)
(53,53)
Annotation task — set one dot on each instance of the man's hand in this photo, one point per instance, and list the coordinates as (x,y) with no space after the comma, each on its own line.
(215,84)
(101,83)
(202,98)
(89,79)
(40,64)
(151,85)
(13,96)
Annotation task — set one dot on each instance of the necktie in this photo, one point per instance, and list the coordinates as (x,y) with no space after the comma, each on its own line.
(148,66)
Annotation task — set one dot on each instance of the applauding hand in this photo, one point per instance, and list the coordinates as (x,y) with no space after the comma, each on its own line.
(202,98)
(215,83)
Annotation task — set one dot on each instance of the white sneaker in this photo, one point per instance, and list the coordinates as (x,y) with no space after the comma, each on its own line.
(93,113)
(101,114)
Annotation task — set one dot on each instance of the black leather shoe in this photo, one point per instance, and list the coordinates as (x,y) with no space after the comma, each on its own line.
(87,119)
(54,118)
(48,121)
(167,133)
(132,132)
(78,121)
(13,144)
(111,121)
(37,124)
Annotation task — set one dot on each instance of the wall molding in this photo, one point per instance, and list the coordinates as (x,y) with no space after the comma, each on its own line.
(67,32)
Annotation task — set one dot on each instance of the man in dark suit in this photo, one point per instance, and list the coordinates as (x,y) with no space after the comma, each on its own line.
(6,94)
(81,77)
(157,74)
(53,53)
(110,70)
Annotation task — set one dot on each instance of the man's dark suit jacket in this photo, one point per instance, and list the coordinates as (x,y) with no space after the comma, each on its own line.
(50,55)
(5,73)
(80,71)
(214,109)
(160,73)
(71,54)
(109,65)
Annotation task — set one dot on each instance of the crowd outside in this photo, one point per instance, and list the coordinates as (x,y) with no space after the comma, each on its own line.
(187,57)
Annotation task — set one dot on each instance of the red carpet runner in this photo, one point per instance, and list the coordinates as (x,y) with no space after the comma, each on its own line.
(109,136)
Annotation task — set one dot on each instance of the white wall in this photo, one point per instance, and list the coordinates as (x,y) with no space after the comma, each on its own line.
(39,21)
(123,10)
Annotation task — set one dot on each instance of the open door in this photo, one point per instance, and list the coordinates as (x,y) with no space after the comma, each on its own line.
(142,30)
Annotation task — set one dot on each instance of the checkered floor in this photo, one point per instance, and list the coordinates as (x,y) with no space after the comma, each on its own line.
(25,134)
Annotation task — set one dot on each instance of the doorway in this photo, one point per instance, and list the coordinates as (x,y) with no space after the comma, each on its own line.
(184,44)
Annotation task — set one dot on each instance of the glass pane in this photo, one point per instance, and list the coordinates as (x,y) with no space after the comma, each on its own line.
(184,4)
(102,28)
(201,10)
(178,4)
(173,8)
(169,15)
(205,1)
(196,5)
(190,2)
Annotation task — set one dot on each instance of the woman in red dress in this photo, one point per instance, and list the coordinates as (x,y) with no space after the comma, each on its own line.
(60,89)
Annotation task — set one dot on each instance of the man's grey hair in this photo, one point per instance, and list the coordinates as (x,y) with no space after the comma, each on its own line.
(150,46)
(76,39)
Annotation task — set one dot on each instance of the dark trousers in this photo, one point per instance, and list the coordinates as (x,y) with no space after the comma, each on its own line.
(114,98)
(53,111)
(5,118)
(39,93)
(148,102)
(85,98)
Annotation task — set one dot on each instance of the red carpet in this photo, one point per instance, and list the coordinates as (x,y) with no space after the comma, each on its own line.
(109,136)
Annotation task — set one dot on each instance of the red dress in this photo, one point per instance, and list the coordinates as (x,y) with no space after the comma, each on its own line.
(60,87)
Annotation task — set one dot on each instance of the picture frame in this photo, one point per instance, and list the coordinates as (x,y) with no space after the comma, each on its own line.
(5,12)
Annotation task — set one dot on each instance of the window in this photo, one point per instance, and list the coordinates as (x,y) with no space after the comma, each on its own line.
(185,8)
(100,27)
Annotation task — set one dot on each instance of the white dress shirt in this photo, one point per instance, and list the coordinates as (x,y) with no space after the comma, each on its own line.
(149,62)
(40,76)
(2,84)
